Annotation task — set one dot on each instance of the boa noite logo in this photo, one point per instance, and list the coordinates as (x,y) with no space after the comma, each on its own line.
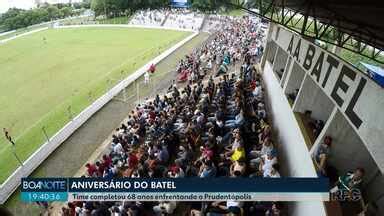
(44,185)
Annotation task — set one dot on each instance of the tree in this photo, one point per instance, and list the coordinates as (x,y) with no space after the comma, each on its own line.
(12,12)
(66,11)
(111,7)
(17,18)
(99,7)
(53,12)
(203,5)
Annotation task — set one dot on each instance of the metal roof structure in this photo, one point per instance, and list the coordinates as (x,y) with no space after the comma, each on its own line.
(354,25)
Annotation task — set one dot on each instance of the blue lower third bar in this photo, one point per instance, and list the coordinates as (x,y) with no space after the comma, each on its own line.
(43,196)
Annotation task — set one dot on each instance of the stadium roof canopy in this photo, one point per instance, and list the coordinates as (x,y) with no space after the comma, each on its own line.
(363,18)
(350,24)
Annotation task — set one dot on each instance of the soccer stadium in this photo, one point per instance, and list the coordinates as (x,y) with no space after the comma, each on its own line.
(192,107)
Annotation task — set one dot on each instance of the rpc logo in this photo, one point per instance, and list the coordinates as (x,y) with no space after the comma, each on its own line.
(44,185)
(346,195)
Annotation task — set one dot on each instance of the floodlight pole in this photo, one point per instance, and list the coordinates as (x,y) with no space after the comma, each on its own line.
(9,138)
(45,133)
(17,157)
(70,113)
(90,97)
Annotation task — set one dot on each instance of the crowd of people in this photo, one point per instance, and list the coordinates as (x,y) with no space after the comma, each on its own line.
(149,17)
(216,127)
(214,22)
(180,18)
(184,19)
(223,50)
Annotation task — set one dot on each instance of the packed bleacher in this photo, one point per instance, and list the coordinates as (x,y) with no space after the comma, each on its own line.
(184,19)
(149,17)
(214,22)
(216,126)
(171,18)
(225,47)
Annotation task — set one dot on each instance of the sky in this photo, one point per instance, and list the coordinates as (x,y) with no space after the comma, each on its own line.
(26,4)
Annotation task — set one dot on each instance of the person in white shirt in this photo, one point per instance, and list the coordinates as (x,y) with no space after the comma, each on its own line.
(117,148)
(232,203)
(256,155)
(267,162)
(272,173)
(258,91)
(146,78)
(237,122)
(261,113)
(165,207)
(200,118)
(209,64)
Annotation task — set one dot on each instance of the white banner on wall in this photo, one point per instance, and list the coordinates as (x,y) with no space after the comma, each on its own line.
(359,98)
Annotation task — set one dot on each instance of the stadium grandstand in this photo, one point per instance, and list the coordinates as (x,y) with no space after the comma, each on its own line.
(277,89)
(150,18)
(212,127)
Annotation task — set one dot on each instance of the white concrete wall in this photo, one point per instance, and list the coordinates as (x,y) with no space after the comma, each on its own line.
(287,69)
(375,192)
(311,97)
(294,78)
(293,152)
(289,137)
(356,122)
(272,49)
(360,99)
(280,61)
(349,152)
(306,209)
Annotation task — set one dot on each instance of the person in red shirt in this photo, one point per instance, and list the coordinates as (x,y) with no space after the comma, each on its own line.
(100,168)
(107,161)
(207,153)
(132,160)
(152,115)
(152,68)
(91,169)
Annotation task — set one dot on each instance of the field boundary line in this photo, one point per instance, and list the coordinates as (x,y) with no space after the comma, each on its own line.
(23,34)
(14,180)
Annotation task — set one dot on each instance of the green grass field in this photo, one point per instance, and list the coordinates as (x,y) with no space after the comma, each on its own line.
(233,12)
(71,68)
